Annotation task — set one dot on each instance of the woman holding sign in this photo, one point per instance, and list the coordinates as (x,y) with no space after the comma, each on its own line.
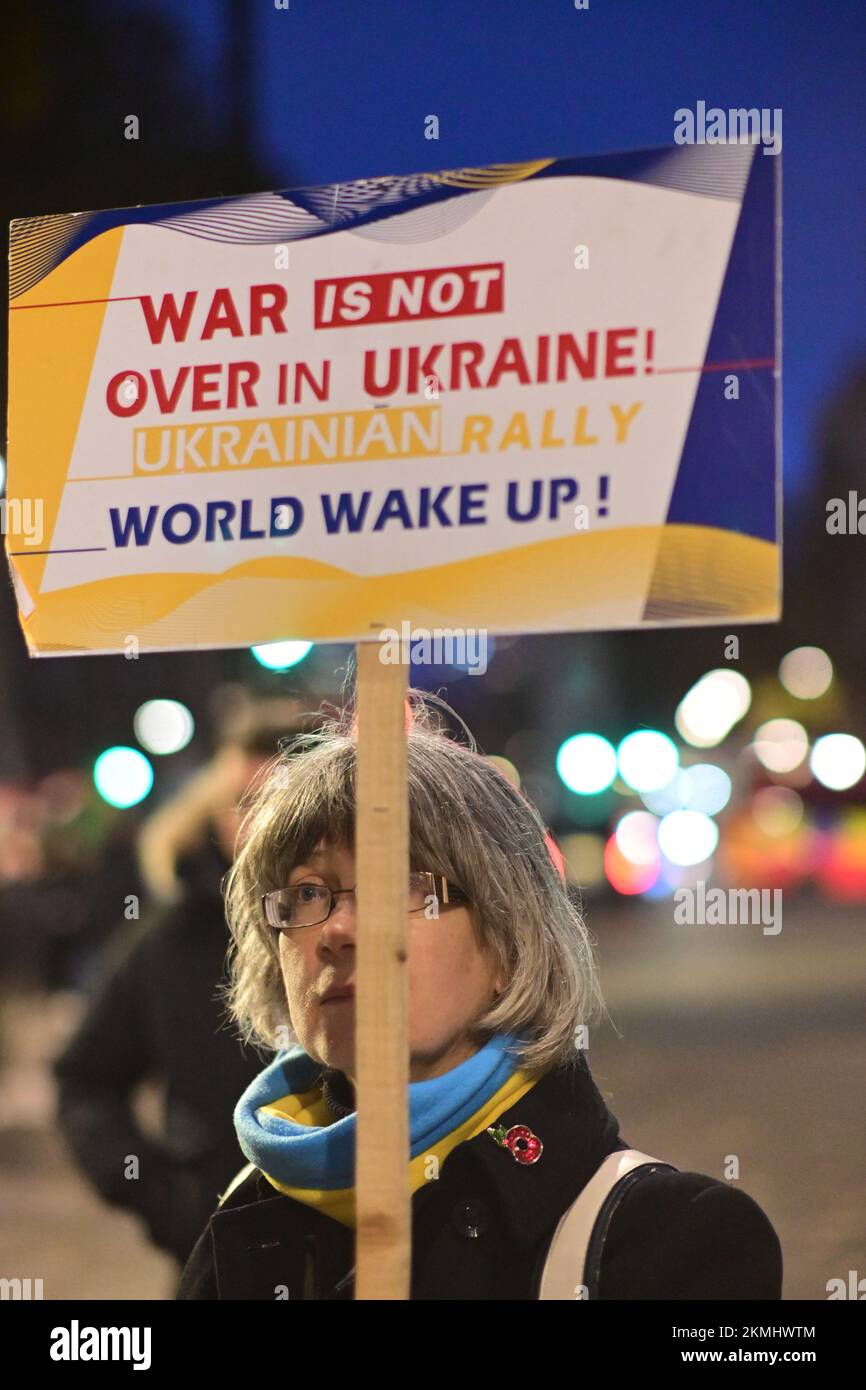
(522,1186)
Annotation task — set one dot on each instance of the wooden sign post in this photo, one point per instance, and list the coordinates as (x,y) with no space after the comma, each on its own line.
(381,999)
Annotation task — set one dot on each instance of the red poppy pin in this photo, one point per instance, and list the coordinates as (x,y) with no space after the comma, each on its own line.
(523,1145)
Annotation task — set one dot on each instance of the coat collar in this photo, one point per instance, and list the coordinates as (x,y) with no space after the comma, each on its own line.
(566,1111)
(260,1237)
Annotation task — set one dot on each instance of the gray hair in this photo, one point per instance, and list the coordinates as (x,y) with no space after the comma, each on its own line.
(467,821)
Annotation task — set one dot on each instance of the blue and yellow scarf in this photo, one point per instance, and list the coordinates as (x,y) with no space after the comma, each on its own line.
(285,1128)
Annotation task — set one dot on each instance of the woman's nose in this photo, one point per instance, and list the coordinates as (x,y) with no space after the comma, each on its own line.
(343,920)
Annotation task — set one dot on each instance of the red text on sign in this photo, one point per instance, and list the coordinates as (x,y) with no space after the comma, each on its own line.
(266,304)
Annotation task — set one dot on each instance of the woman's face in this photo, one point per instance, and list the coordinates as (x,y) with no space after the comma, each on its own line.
(451,982)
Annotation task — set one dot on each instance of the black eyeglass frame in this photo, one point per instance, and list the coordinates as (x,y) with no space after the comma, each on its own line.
(450,894)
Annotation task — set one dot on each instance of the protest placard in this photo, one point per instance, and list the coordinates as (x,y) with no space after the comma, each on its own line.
(531,397)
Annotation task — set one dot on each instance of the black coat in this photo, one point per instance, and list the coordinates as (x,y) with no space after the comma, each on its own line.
(483,1228)
(155,1015)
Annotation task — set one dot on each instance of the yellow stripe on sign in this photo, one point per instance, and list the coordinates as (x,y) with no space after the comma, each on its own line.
(571,582)
(51,354)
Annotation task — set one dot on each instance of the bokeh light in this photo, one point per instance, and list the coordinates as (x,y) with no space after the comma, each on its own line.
(280,656)
(703,787)
(584,858)
(647,760)
(777,810)
(838,761)
(841,866)
(712,707)
(665,799)
(687,837)
(163,726)
(749,855)
(63,794)
(806,672)
(586,763)
(623,875)
(669,878)
(122,776)
(636,836)
(781,744)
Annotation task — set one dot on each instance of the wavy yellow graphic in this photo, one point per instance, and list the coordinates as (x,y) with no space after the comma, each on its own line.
(491,176)
(580,581)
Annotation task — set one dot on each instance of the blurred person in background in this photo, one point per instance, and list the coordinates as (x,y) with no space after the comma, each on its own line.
(65,857)
(156,1014)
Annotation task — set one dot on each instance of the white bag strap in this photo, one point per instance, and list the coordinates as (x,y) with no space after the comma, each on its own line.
(564,1268)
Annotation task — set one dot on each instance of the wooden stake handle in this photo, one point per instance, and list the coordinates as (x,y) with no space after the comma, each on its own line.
(383,1204)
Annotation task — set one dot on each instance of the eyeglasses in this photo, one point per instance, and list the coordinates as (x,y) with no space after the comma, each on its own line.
(311,904)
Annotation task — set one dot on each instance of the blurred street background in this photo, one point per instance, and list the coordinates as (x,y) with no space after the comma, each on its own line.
(725,1042)
(659,759)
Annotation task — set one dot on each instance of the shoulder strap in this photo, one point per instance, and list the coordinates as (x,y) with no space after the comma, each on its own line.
(566,1267)
(236,1182)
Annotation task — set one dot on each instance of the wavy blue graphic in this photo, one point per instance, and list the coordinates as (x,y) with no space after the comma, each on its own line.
(450,196)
